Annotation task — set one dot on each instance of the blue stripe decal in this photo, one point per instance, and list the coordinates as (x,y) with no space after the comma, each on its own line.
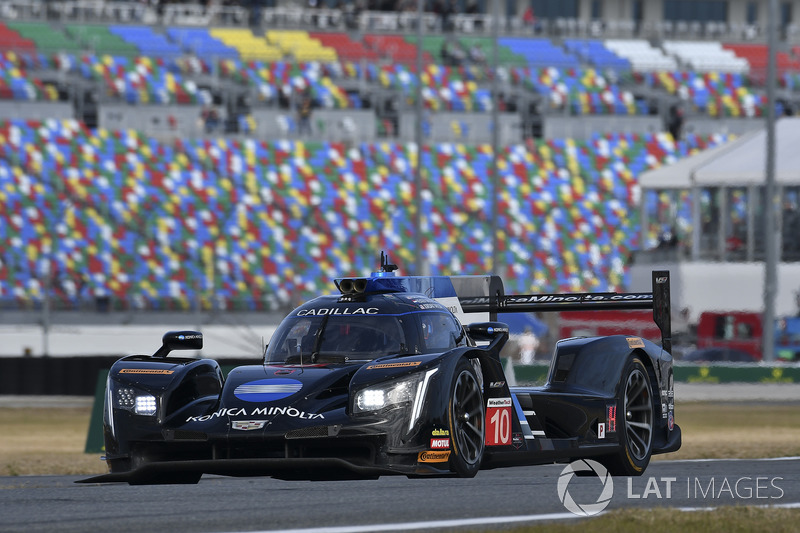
(267,390)
(523,422)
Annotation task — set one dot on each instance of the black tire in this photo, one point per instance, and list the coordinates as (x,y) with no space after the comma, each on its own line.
(635,422)
(466,415)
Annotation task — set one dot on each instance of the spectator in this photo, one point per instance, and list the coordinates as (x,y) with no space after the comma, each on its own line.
(528,344)
(304,110)
(210,119)
(675,121)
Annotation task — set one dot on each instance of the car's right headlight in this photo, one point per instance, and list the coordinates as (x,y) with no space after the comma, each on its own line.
(408,392)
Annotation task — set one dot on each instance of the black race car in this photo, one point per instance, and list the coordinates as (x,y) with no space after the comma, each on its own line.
(383,378)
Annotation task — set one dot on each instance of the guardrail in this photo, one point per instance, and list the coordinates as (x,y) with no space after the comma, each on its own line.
(716,373)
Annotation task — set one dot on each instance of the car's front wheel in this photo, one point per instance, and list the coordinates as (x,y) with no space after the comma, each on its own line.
(467,421)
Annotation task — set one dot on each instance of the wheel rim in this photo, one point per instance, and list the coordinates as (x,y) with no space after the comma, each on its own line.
(468,417)
(638,414)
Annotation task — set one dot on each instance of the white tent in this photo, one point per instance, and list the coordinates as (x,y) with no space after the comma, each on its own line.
(736,163)
(739,165)
(678,175)
(745,164)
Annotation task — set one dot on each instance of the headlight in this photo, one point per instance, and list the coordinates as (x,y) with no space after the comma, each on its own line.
(135,401)
(408,392)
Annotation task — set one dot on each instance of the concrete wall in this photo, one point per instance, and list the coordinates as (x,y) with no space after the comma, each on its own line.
(157,120)
(15,109)
(330,124)
(583,127)
(462,127)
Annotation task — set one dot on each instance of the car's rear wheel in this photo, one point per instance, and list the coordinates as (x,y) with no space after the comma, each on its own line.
(467,421)
(635,422)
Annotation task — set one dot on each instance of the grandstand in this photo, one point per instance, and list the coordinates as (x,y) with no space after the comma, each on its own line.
(116,186)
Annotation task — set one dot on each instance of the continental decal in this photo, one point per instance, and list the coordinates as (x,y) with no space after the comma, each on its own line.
(433,457)
(395,365)
(635,342)
(145,371)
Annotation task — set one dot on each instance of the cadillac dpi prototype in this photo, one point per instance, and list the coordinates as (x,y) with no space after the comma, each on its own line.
(395,375)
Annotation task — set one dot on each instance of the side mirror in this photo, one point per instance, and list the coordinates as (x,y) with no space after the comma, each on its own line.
(487,331)
(179,340)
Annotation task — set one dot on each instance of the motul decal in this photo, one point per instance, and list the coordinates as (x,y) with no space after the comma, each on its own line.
(440,444)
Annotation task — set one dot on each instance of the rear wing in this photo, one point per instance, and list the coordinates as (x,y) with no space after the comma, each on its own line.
(495,301)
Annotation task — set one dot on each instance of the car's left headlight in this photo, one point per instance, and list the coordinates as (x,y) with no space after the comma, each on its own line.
(409,391)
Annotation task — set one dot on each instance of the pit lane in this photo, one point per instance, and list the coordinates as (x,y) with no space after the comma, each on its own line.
(494,499)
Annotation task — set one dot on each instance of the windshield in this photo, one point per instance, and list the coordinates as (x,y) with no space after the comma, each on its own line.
(333,338)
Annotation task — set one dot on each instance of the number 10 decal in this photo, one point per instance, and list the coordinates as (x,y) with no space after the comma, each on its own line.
(498,416)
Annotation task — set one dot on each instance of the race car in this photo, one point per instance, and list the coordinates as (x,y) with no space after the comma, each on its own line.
(395,375)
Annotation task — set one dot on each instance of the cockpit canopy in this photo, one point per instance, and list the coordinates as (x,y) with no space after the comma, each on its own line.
(329,330)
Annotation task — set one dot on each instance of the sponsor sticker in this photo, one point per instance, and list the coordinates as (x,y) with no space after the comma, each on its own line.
(611,418)
(246,425)
(671,421)
(159,371)
(635,342)
(499,402)
(498,422)
(404,364)
(433,457)
(440,432)
(601,430)
(440,444)
(496,384)
(323,311)
(267,390)
(517,439)
(258,411)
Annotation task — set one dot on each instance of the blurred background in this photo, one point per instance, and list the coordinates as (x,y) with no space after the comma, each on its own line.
(169,165)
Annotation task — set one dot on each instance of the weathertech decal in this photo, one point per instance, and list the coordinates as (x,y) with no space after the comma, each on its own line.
(145,371)
(635,342)
(433,457)
(395,365)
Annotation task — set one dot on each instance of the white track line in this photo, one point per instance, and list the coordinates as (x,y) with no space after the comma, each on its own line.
(489,520)
(431,524)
